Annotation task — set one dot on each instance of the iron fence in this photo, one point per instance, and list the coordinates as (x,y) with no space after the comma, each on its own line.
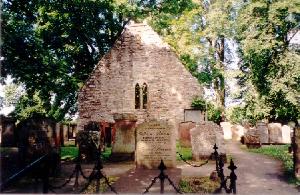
(96,175)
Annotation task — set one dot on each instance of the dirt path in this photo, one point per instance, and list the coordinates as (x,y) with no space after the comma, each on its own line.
(258,174)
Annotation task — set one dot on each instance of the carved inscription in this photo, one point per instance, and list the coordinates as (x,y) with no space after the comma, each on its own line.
(155,142)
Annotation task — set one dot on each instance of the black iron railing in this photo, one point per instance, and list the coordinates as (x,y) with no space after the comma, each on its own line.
(162,176)
(42,164)
(220,170)
(219,163)
(37,164)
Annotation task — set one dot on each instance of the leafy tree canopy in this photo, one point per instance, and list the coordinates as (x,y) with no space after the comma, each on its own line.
(52,46)
(270,66)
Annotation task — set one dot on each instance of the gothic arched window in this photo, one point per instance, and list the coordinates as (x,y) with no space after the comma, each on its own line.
(137,96)
(145,95)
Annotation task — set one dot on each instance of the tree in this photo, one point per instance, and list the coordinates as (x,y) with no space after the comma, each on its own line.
(200,33)
(270,66)
(52,46)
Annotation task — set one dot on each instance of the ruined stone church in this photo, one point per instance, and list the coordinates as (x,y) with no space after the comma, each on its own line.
(140,75)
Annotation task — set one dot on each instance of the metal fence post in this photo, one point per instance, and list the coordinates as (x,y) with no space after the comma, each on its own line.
(45,176)
(232,176)
(161,176)
(216,154)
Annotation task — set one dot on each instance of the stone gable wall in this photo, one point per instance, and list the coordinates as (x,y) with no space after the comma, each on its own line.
(139,56)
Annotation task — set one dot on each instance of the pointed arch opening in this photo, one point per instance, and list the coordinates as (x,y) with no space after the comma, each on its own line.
(145,95)
(137,96)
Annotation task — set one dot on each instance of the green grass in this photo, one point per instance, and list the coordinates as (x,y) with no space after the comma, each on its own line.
(198,185)
(106,154)
(184,151)
(281,153)
(69,153)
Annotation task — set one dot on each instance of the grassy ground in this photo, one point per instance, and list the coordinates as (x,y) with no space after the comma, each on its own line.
(71,152)
(198,185)
(281,153)
(184,151)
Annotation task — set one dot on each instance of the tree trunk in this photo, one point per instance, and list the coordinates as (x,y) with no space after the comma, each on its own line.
(219,83)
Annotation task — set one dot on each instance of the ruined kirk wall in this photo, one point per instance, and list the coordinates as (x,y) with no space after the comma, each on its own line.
(139,56)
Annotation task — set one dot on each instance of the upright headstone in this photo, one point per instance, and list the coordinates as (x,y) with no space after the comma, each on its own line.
(262,131)
(226,127)
(36,137)
(155,142)
(237,132)
(194,115)
(203,138)
(286,134)
(88,142)
(275,133)
(184,133)
(124,146)
(297,151)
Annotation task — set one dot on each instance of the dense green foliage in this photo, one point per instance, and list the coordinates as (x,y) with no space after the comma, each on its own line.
(270,64)
(52,47)
(280,153)
(214,113)
(199,32)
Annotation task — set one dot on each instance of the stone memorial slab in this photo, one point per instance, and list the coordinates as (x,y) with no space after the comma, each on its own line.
(275,132)
(155,142)
(124,146)
(203,138)
(184,133)
(226,127)
(286,134)
(237,132)
(194,115)
(262,131)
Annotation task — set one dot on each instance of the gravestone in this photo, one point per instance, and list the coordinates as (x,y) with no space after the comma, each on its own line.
(275,133)
(194,115)
(203,138)
(155,142)
(237,132)
(252,141)
(184,133)
(226,127)
(262,131)
(88,141)
(36,137)
(286,134)
(124,146)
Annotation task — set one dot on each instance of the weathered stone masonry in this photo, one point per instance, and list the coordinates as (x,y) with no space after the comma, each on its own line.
(138,56)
